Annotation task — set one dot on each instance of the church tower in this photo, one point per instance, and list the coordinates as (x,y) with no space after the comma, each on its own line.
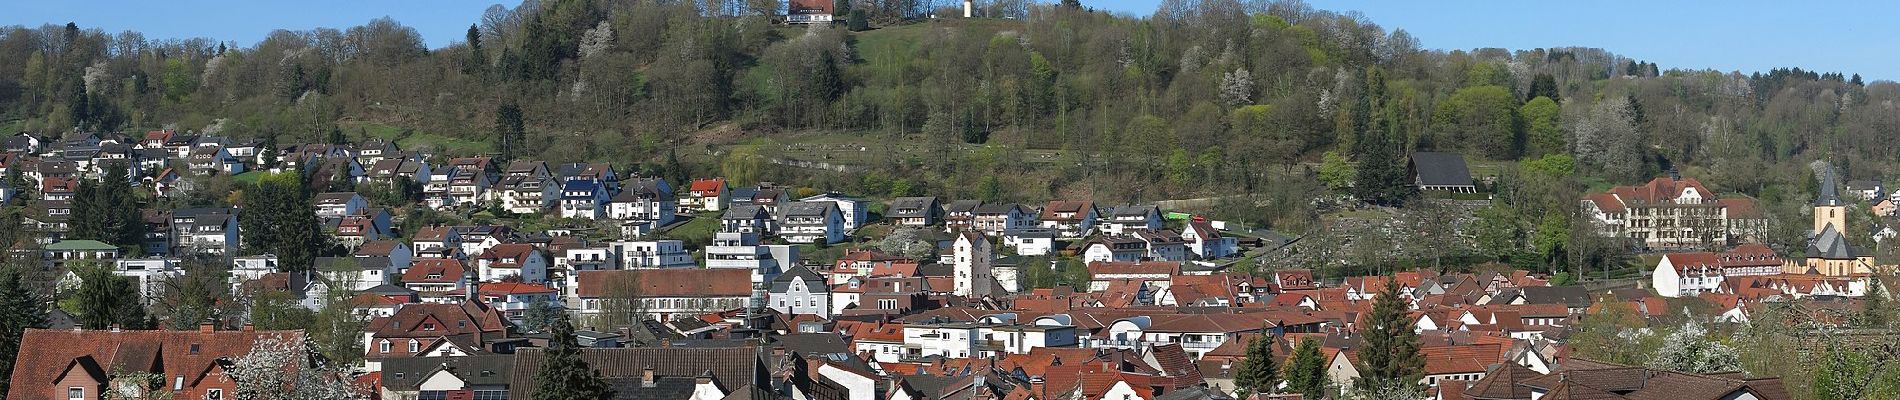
(1828,207)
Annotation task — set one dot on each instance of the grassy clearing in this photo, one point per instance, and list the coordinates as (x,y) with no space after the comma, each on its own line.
(409,139)
(697,232)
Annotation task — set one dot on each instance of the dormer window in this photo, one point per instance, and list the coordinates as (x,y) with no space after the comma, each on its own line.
(428,326)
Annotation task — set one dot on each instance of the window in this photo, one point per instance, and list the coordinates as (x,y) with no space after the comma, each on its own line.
(430,326)
(491,395)
(214,394)
(75,392)
(414,346)
(432,395)
(385,346)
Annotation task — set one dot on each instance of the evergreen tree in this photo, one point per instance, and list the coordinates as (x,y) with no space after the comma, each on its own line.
(1390,356)
(1380,179)
(278,218)
(1543,85)
(88,218)
(1874,312)
(24,309)
(508,130)
(1306,371)
(477,57)
(564,375)
(267,152)
(105,299)
(18,181)
(857,21)
(119,220)
(1258,374)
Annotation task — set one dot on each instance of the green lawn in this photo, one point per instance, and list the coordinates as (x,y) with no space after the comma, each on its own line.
(408,139)
(249,177)
(697,232)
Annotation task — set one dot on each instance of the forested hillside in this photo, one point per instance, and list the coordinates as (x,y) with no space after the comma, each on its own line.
(1202,98)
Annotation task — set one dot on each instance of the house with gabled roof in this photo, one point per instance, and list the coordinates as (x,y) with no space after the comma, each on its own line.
(1127,218)
(436,330)
(811,222)
(513,259)
(914,211)
(84,364)
(1207,242)
(705,195)
(582,199)
(1070,219)
(435,279)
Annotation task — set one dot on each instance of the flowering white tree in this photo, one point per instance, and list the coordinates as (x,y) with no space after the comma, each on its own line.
(1236,87)
(1690,350)
(278,368)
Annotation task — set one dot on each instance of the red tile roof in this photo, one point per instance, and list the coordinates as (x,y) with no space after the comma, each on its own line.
(45,354)
(670,282)
(448,270)
(707,187)
(1135,268)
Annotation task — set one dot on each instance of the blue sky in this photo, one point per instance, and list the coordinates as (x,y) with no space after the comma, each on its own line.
(1749,35)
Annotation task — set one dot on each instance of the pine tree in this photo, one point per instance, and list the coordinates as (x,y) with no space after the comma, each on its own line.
(24,309)
(1390,356)
(88,220)
(1543,85)
(1874,312)
(508,130)
(104,300)
(119,223)
(267,152)
(477,57)
(1258,374)
(1379,178)
(1306,371)
(564,375)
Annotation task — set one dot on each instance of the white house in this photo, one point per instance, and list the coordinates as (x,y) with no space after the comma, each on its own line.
(339,204)
(652,254)
(504,260)
(854,210)
(812,222)
(972,258)
(1687,274)
(582,199)
(1114,248)
(743,251)
(1127,218)
(1030,241)
(1070,219)
(1207,242)
(800,291)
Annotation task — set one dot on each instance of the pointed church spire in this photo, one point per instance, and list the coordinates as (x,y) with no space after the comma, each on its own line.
(1829,194)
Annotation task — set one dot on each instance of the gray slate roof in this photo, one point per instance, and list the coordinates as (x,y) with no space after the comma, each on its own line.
(1441,168)
(783,282)
(407,373)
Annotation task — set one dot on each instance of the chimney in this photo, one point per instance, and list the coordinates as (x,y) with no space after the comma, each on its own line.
(646,376)
(778,352)
(204,327)
(115,328)
(664,342)
(248,328)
